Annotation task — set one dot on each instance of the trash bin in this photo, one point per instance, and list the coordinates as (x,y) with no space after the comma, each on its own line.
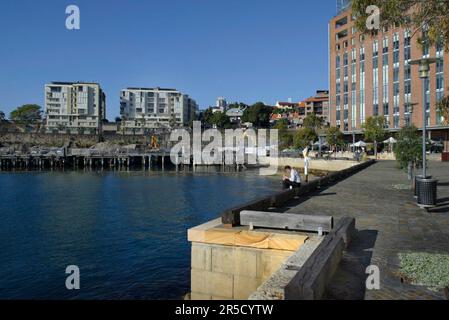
(415,185)
(427,192)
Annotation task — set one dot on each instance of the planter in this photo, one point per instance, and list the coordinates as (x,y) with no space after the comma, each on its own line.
(445,157)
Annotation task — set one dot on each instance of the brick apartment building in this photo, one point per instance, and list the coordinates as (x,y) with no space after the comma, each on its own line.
(371,75)
(318,104)
(295,112)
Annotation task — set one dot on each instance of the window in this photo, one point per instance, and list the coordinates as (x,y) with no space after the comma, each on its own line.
(339,23)
(342,34)
(439,86)
(375,48)
(353,107)
(385,45)
(425,44)
(362,85)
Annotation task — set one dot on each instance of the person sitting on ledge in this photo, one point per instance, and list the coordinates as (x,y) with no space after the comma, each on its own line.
(291,178)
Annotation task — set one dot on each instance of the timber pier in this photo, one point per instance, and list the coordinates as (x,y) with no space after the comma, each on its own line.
(121,158)
(53,158)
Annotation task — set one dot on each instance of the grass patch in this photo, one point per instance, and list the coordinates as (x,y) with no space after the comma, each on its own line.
(425,269)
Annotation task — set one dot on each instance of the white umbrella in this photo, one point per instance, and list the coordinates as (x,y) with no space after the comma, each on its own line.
(317,144)
(390,140)
(359,144)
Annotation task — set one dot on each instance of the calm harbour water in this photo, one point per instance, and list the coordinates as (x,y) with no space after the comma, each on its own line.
(126,231)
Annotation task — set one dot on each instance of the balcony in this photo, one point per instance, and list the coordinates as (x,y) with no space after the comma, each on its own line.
(341,22)
(342,34)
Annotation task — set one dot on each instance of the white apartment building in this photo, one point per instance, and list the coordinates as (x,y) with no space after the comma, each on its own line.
(75,107)
(149,108)
(221,104)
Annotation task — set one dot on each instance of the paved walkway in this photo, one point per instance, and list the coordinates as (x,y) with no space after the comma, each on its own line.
(388,222)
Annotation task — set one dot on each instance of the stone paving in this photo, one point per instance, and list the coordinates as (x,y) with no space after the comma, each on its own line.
(388,222)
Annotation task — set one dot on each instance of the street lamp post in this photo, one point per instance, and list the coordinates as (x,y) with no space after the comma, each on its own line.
(424,68)
(426,187)
(408,106)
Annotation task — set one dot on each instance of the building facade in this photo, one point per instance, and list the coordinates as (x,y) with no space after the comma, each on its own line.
(235,115)
(221,104)
(150,108)
(318,104)
(74,107)
(371,75)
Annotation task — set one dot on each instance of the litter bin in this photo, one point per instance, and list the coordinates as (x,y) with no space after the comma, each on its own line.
(415,185)
(427,192)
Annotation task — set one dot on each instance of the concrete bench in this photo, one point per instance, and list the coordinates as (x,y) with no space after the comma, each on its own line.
(312,278)
(287,221)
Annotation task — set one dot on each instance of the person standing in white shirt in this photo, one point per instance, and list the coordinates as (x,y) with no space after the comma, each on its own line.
(305,153)
(291,178)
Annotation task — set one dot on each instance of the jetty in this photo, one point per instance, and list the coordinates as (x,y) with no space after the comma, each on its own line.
(45,158)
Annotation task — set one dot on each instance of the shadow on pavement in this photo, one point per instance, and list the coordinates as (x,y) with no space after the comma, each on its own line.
(349,280)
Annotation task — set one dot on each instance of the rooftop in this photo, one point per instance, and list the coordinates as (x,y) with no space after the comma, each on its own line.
(66,83)
(151,89)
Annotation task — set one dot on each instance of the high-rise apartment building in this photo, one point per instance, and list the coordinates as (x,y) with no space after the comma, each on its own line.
(221,104)
(372,75)
(74,107)
(148,108)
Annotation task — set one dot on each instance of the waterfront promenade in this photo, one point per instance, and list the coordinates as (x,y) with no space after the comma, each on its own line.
(388,222)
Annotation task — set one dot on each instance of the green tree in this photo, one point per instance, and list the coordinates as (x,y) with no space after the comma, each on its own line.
(220,119)
(408,148)
(206,116)
(313,122)
(304,137)
(285,138)
(410,14)
(374,128)
(258,114)
(443,109)
(334,137)
(28,114)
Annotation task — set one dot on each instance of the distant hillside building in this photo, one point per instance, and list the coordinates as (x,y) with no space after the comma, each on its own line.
(149,108)
(318,104)
(75,107)
(235,115)
(221,104)
(286,105)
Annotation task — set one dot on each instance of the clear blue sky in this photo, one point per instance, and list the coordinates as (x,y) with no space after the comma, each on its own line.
(244,50)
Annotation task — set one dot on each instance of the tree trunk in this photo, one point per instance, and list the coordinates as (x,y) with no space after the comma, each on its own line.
(375,149)
(410,170)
